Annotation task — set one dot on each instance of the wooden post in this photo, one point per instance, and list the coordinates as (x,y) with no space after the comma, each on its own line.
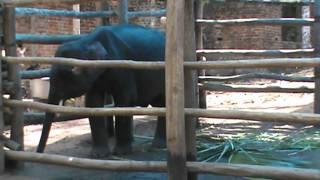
(174,71)
(191,83)
(123,12)
(16,120)
(316,41)
(199,44)
(105,7)
(2,159)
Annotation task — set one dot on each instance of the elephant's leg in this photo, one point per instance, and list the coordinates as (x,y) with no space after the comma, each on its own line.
(108,100)
(98,126)
(124,134)
(123,127)
(159,140)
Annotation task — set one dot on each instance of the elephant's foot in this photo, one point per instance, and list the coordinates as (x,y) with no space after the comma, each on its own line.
(159,143)
(99,152)
(122,149)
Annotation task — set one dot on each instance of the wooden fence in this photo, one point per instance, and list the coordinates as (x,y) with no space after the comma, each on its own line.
(180,46)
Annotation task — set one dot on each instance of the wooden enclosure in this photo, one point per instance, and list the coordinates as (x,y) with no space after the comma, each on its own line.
(181,69)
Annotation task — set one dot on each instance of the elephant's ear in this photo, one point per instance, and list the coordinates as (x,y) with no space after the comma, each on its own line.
(96,51)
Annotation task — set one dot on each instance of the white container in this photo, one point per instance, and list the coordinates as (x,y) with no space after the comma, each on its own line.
(40,88)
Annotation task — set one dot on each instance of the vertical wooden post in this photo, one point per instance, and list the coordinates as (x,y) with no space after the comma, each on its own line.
(176,142)
(105,7)
(2,160)
(13,73)
(123,12)
(191,82)
(316,41)
(199,44)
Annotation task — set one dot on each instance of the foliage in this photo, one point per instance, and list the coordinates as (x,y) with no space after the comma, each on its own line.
(297,150)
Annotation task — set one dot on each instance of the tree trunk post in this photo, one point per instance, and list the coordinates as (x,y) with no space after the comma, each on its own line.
(174,72)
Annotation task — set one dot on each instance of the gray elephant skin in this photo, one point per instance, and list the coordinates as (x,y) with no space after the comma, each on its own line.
(128,87)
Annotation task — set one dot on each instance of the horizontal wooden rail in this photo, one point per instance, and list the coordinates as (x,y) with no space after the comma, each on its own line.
(253,63)
(259,21)
(37,118)
(154,13)
(65,13)
(302,118)
(82,63)
(272,76)
(300,2)
(253,89)
(299,118)
(160,166)
(35,74)
(120,111)
(21,2)
(255,52)
(85,14)
(46,39)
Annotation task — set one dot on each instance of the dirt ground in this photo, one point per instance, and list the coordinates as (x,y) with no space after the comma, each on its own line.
(73,138)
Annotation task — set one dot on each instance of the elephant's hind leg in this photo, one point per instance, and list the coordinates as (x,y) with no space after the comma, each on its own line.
(98,126)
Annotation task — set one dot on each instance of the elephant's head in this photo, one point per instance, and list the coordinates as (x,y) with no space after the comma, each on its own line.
(67,81)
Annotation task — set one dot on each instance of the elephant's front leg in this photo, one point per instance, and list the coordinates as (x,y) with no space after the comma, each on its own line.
(159,140)
(98,126)
(124,134)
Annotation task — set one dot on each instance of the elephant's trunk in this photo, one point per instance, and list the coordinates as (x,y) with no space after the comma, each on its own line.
(47,124)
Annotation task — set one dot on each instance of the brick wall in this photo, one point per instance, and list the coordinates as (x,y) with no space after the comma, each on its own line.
(243,37)
(44,25)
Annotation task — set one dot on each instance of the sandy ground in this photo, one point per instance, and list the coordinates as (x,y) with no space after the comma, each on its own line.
(73,138)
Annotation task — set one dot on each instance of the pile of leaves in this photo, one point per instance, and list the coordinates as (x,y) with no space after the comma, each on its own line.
(301,150)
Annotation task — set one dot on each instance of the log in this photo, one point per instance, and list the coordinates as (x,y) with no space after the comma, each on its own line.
(298,118)
(154,13)
(253,89)
(35,74)
(2,124)
(81,63)
(123,12)
(8,87)
(16,119)
(199,43)
(10,144)
(301,118)
(254,63)
(267,172)
(21,2)
(46,39)
(174,76)
(37,118)
(299,2)
(159,166)
(256,76)
(87,163)
(118,111)
(316,44)
(260,21)
(22,11)
(262,63)
(257,52)
(191,84)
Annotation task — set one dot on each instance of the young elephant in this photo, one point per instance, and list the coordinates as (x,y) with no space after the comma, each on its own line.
(128,87)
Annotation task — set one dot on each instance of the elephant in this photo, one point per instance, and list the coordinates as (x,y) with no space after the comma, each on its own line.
(128,87)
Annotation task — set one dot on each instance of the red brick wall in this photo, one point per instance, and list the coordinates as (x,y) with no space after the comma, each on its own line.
(243,37)
(44,25)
